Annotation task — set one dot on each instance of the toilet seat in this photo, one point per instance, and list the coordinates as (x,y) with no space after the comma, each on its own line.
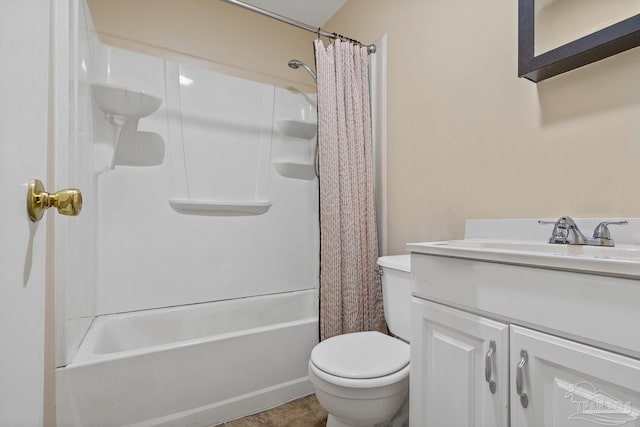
(361,360)
(361,355)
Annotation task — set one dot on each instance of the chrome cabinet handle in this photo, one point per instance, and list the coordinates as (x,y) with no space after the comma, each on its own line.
(488,366)
(524,358)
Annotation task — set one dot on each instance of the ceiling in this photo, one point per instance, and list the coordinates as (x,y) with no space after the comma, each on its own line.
(313,12)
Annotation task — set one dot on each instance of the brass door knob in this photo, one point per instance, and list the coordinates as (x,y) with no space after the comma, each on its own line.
(68,202)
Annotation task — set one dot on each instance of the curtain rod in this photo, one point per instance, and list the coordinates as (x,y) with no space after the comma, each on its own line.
(370,48)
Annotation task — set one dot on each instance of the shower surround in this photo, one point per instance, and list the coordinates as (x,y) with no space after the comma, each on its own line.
(209,199)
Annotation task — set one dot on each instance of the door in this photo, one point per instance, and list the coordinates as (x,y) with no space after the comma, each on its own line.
(558,382)
(24,92)
(459,368)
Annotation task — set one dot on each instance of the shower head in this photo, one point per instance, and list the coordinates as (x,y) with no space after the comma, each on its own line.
(295,64)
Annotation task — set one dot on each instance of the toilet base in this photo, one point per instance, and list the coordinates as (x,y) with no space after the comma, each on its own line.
(334,422)
(400,419)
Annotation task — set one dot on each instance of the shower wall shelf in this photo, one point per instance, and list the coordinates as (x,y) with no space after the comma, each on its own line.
(123,108)
(119,101)
(297,128)
(219,208)
(303,171)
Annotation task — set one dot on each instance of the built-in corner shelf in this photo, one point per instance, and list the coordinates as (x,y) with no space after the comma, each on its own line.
(219,208)
(123,108)
(296,170)
(130,104)
(297,128)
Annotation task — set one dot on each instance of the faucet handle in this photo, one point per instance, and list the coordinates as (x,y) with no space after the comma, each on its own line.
(602,230)
(560,233)
(563,221)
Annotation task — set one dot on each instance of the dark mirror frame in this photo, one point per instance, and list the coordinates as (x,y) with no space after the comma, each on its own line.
(609,41)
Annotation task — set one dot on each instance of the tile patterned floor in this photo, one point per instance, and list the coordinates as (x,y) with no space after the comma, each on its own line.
(304,412)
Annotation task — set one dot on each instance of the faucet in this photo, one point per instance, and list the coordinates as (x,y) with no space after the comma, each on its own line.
(566,231)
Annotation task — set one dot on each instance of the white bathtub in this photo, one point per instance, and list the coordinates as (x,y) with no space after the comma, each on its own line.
(195,365)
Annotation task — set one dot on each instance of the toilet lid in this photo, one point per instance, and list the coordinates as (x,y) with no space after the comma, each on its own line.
(361,355)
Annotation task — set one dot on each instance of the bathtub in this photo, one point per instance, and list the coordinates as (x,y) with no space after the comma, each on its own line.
(196,365)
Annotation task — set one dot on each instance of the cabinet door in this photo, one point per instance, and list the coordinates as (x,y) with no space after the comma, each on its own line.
(570,384)
(454,358)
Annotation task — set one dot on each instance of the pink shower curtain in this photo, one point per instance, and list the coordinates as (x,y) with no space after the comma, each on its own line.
(350,290)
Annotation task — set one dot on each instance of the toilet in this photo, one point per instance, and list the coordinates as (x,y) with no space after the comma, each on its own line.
(362,378)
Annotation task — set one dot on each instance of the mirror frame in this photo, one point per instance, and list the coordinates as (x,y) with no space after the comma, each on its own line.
(616,38)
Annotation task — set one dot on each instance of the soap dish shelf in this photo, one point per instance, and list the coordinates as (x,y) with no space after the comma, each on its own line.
(219,208)
(297,128)
(294,170)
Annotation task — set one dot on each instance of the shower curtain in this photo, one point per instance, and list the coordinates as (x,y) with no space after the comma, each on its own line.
(350,289)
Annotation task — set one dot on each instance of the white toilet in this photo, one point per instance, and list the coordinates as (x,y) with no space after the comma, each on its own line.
(362,378)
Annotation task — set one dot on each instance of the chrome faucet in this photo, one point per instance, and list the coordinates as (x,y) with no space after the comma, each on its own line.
(566,231)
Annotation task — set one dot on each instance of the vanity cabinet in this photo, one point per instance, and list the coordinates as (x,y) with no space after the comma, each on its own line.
(540,379)
(564,320)
(455,358)
(565,383)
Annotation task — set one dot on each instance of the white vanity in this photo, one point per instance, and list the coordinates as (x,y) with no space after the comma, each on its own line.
(509,330)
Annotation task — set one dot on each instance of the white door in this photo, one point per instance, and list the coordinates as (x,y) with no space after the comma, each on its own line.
(24,86)
(459,368)
(570,384)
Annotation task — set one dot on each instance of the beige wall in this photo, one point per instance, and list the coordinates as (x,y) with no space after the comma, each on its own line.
(468,139)
(212,33)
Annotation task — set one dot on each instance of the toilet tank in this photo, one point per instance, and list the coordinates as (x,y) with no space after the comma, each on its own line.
(396,293)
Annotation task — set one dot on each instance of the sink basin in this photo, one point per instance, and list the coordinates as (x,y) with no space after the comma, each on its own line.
(505,270)
(619,252)
(619,261)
